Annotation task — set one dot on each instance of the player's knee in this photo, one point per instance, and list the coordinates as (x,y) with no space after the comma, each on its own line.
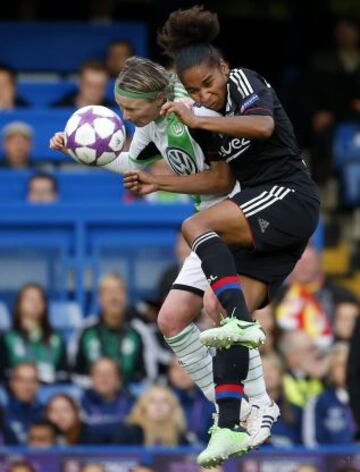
(192,228)
(168,324)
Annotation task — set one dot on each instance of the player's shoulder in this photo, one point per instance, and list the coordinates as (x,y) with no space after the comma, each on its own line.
(243,72)
(199,110)
(246,81)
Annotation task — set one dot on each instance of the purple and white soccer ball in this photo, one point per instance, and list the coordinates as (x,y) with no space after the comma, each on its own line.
(94,135)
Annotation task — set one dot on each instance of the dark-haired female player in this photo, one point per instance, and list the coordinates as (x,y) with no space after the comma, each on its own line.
(268,223)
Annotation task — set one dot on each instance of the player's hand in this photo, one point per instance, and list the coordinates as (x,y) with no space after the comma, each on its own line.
(182,111)
(57,142)
(140,182)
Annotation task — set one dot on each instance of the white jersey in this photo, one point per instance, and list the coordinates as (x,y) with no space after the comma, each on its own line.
(186,151)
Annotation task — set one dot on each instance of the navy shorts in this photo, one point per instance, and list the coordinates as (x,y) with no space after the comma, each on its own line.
(281,218)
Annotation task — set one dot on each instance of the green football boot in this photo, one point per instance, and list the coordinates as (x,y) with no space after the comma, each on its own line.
(224,443)
(234,331)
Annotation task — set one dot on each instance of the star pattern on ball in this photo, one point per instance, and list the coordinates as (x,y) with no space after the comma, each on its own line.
(88,116)
(101,145)
(71,142)
(117,122)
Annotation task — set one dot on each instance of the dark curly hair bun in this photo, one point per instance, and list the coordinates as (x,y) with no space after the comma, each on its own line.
(186,28)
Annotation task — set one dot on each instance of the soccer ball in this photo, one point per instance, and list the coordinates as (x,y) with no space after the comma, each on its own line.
(94,135)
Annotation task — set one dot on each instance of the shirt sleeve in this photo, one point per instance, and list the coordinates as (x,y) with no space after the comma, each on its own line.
(141,153)
(250,93)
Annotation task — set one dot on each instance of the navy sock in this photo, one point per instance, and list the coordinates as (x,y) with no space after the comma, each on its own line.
(231,368)
(219,267)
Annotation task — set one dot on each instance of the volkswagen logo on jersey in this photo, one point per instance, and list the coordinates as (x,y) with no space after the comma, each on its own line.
(181,162)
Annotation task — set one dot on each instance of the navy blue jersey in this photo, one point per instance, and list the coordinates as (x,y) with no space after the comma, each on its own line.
(260,161)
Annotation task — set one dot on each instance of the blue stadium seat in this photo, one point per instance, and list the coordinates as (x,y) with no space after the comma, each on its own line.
(44,93)
(47,391)
(351,184)
(41,93)
(65,314)
(346,144)
(63,46)
(66,317)
(5,317)
(81,185)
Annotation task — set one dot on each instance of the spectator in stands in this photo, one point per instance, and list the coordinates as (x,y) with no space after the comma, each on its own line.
(287,430)
(32,338)
(17,144)
(346,314)
(8,97)
(22,408)
(93,467)
(307,468)
(308,301)
(21,466)
(305,367)
(328,418)
(110,335)
(42,188)
(353,375)
(63,411)
(143,468)
(43,434)
(117,53)
(333,93)
(106,403)
(93,79)
(198,410)
(169,275)
(158,412)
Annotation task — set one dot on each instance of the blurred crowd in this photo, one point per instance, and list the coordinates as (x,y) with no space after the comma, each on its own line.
(115,381)
(318,97)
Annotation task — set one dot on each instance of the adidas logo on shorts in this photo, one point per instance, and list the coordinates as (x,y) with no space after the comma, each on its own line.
(263,224)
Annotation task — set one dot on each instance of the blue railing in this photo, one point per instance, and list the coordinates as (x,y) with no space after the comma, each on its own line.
(124,459)
(65,245)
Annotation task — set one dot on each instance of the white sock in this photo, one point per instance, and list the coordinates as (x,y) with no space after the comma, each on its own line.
(254,384)
(195,358)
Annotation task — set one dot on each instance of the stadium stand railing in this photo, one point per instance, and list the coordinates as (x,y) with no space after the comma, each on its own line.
(65,245)
(325,459)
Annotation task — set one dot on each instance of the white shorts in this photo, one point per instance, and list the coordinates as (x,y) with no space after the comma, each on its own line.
(191,277)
